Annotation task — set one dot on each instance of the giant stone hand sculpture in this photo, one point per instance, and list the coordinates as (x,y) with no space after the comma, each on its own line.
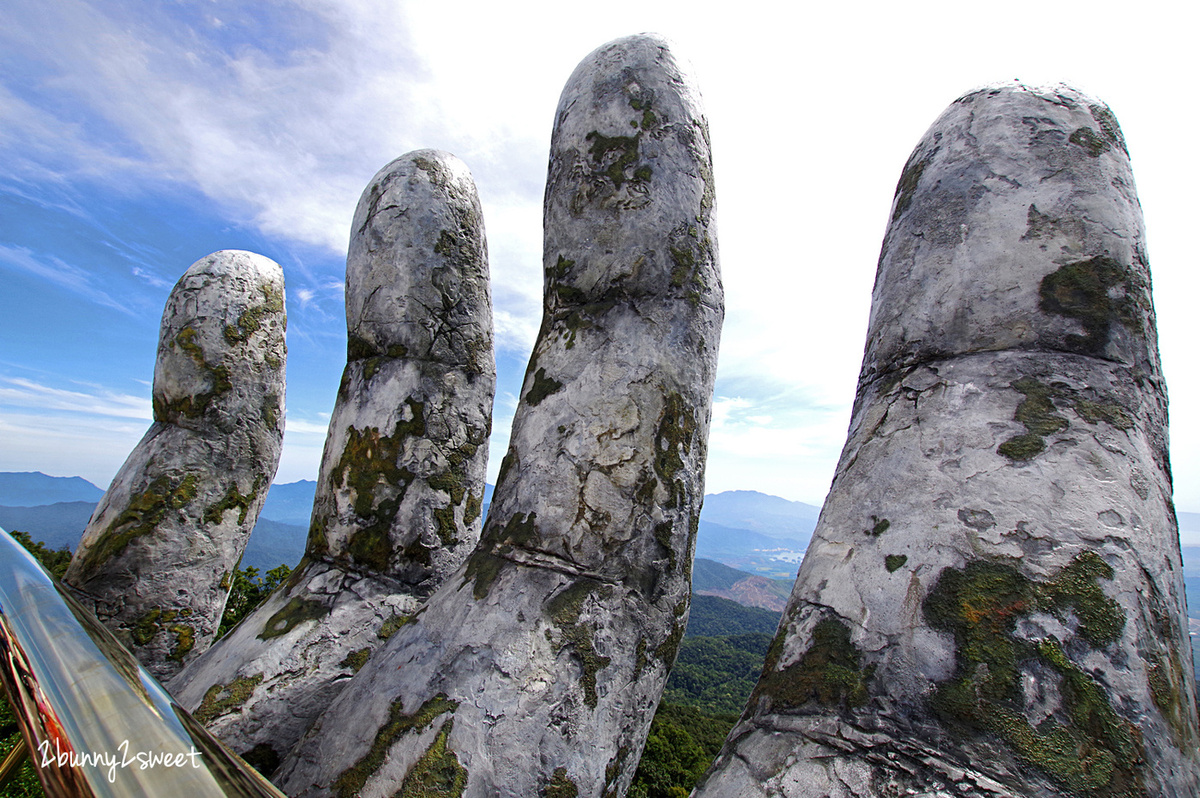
(992,602)
(536,668)
(156,558)
(399,500)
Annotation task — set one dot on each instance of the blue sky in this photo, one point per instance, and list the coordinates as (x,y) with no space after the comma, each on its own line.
(137,137)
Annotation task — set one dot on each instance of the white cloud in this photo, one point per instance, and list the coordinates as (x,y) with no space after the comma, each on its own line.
(20,392)
(812,115)
(299,427)
(67,443)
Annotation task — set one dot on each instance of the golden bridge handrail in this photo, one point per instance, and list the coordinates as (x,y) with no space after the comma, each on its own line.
(95,722)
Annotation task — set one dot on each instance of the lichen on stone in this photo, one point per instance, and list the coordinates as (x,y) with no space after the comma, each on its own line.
(672,442)
(563,610)
(356,659)
(1086,747)
(233,500)
(295,612)
(185,641)
(141,516)
(394,624)
(352,780)
(221,699)
(561,785)
(830,672)
(542,387)
(1083,290)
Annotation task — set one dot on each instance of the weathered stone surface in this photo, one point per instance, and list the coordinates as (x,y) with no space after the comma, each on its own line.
(155,560)
(992,602)
(400,495)
(536,668)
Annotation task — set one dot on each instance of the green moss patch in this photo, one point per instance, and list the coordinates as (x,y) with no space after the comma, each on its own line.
(894,562)
(561,785)
(1166,675)
(1083,291)
(1038,413)
(143,514)
(447,527)
(1091,143)
(482,569)
(438,773)
(394,624)
(221,699)
(356,659)
(1086,748)
(830,672)
(251,320)
(615,156)
(295,612)
(233,500)
(1112,414)
(150,624)
(185,641)
(351,782)
(368,465)
(542,387)
(668,649)
(474,508)
(194,405)
(452,482)
(672,442)
(1108,125)
(563,610)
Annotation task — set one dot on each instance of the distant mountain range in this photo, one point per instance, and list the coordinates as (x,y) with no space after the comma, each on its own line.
(747,533)
(713,578)
(32,488)
(759,534)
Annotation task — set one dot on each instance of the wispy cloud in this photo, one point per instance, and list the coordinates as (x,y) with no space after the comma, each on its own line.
(296,426)
(279,113)
(73,278)
(100,401)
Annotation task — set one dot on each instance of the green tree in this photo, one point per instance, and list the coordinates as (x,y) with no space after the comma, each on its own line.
(246,591)
(54,561)
(682,743)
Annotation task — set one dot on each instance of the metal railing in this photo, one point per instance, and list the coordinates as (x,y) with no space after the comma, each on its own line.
(94,722)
